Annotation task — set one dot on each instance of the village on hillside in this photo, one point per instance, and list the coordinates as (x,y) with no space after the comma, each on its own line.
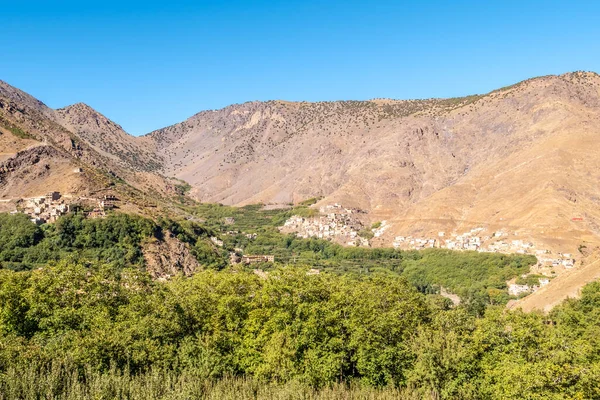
(340,224)
(335,223)
(496,242)
(500,241)
(49,207)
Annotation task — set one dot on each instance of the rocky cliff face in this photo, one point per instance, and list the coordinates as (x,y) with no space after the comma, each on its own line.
(169,257)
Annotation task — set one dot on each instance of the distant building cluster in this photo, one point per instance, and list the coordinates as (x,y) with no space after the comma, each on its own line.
(466,241)
(51,206)
(497,242)
(106,203)
(42,209)
(254,259)
(564,259)
(518,290)
(336,222)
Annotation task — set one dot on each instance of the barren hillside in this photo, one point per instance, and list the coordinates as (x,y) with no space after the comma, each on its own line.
(108,138)
(521,157)
(74,150)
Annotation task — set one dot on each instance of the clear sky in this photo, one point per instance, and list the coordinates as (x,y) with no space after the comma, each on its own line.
(148,64)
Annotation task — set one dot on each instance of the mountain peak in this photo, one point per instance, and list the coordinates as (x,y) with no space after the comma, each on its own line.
(80,109)
(82,116)
(80,106)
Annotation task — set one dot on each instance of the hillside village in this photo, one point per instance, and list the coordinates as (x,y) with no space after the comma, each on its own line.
(496,242)
(501,241)
(340,224)
(344,225)
(335,223)
(49,207)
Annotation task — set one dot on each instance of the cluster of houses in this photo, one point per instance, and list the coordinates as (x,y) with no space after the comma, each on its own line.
(235,258)
(250,236)
(50,207)
(496,242)
(515,289)
(466,241)
(264,274)
(107,202)
(565,259)
(335,222)
(42,209)
(414,243)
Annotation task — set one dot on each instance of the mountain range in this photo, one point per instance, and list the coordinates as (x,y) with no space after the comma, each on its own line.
(523,158)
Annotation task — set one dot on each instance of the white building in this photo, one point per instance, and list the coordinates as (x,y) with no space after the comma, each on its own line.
(516,290)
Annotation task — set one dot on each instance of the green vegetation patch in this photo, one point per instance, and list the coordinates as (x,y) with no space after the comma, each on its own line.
(95,331)
(310,202)
(183,188)
(251,218)
(117,240)
(478,278)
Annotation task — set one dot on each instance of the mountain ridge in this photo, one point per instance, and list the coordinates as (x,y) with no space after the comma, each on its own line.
(415,150)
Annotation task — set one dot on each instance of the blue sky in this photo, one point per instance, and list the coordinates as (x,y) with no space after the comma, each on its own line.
(148,64)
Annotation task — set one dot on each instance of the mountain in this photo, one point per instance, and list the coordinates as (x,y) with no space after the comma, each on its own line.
(108,138)
(74,150)
(521,158)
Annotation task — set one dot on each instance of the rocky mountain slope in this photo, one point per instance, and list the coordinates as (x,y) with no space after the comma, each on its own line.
(73,150)
(522,157)
(108,138)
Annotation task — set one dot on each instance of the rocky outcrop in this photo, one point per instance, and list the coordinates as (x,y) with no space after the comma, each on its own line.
(39,169)
(28,157)
(168,257)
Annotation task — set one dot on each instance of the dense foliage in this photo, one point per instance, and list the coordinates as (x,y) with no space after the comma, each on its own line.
(80,318)
(478,278)
(251,218)
(117,239)
(78,315)
(98,321)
